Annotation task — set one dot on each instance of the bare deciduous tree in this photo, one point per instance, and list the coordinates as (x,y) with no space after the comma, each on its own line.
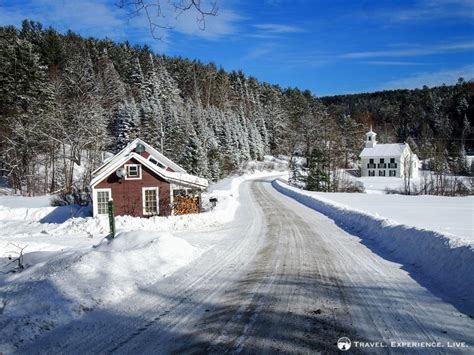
(17,257)
(158,12)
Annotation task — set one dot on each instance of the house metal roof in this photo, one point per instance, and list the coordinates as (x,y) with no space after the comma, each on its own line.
(178,176)
(148,148)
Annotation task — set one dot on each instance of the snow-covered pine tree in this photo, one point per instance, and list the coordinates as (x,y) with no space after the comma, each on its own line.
(25,103)
(150,107)
(176,116)
(214,159)
(111,87)
(125,124)
(194,158)
(137,80)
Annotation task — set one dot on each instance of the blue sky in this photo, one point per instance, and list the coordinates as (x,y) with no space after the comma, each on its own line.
(328,47)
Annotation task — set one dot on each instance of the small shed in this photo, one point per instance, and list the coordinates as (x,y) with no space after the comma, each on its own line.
(142,182)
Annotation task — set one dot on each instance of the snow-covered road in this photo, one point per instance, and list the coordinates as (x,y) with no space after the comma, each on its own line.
(281,277)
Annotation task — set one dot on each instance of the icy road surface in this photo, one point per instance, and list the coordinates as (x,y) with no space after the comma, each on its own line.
(281,277)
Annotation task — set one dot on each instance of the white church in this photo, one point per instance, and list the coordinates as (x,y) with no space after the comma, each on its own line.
(396,160)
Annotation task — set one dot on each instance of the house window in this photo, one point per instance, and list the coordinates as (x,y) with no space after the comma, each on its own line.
(180,192)
(392,173)
(150,201)
(371,164)
(371,173)
(156,162)
(381,172)
(103,197)
(370,138)
(134,172)
(392,164)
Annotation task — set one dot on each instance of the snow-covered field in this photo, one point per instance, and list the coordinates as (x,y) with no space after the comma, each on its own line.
(447,215)
(72,269)
(380,184)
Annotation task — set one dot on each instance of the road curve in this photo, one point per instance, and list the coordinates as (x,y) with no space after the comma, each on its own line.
(281,278)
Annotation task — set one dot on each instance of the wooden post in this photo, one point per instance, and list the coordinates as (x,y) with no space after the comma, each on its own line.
(110,212)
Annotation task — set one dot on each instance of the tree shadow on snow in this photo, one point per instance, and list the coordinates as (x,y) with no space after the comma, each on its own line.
(62,213)
(244,320)
(188,324)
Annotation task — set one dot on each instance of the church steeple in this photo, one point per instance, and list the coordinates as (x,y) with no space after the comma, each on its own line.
(371,140)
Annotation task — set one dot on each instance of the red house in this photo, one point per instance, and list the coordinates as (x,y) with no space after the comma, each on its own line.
(142,182)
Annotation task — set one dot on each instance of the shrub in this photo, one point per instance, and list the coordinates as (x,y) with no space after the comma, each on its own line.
(75,196)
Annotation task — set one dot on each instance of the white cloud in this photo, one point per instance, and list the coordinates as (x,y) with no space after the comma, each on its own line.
(87,16)
(277,28)
(426,10)
(103,18)
(412,51)
(259,52)
(394,63)
(214,27)
(431,78)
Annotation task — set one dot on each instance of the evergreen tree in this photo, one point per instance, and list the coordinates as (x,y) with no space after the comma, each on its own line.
(194,159)
(25,102)
(125,124)
(215,162)
(318,176)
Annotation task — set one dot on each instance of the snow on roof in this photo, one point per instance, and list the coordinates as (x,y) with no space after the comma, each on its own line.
(171,176)
(130,148)
(384,150)
(179,177)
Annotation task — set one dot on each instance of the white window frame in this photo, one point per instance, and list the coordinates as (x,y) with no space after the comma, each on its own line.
(139,169)
(157,189)
(95,200)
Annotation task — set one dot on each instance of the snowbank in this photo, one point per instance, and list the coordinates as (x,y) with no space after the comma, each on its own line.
(60,286)
(16,201)
(443,214)
(445,259)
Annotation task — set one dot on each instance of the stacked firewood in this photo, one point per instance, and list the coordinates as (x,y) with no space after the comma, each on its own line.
(186,205)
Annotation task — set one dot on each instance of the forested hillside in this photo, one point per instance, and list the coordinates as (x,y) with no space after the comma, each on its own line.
(64,100)
(436,119)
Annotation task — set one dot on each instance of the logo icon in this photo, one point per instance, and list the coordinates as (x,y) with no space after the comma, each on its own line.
(344,343)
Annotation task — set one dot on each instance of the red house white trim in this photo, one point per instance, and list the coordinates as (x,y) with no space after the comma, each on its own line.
(141,181)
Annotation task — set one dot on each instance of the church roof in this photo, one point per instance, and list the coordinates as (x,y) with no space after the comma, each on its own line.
(384,150)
